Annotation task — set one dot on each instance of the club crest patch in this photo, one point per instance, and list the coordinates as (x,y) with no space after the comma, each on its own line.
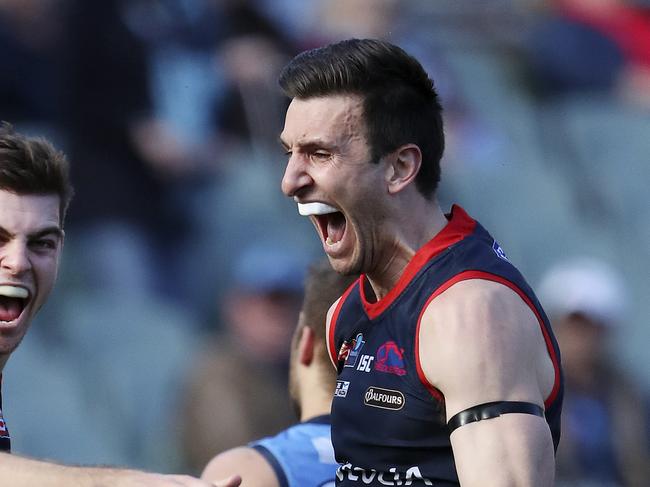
(390,359)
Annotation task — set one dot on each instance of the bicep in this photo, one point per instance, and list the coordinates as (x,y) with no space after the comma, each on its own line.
(480,343)
(253,468)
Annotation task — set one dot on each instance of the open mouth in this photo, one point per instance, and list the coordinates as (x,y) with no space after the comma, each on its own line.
(332,227)
(329,221)
(13,300)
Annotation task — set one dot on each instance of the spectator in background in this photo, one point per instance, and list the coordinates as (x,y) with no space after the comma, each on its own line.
(593,45)
(604,431)
(31,43)
(223,74)
(237,391)
(340,19)
(251,52)
(126,159)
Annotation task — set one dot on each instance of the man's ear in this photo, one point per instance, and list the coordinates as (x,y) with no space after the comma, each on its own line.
(306,343)
(403,166)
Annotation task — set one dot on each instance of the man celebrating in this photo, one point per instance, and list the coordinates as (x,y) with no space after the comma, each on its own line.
(300,456)
(34,195)
(448,369)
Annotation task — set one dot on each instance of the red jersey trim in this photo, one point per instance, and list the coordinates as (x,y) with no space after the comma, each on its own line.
(335,316)
(460,226)
(463,276)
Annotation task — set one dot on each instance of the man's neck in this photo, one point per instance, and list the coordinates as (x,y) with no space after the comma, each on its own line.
(315,396)
(409,236)
(316,406)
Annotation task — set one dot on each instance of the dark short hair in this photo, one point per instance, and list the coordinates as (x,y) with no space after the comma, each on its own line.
(400,103)
(32,165)
(323,286)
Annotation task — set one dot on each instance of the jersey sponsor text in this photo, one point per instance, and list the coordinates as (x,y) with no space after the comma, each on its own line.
(392,477)
(383,398)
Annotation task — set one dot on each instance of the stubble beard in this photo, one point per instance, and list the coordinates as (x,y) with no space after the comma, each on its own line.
(361,259)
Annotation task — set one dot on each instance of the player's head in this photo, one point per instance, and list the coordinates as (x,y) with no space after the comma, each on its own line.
(400,104)
(34,194)
(32,166)
(323,286)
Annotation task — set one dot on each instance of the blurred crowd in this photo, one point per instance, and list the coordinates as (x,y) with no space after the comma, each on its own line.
(168,337)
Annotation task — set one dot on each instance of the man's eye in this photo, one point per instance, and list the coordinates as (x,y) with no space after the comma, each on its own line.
(320,156)
(44,244)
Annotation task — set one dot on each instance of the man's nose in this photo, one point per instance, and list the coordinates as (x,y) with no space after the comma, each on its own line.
(295,177)
(14,257)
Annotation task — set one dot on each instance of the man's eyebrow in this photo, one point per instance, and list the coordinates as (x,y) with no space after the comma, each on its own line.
(308,144)
(44,232)
(49,230)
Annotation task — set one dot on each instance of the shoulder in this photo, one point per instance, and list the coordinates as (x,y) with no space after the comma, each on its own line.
(332,310)
(335,308)
(244,461)
(330,324)
(478,306)
(479,342)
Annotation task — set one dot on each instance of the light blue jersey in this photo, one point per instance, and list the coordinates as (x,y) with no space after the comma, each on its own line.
(302,455)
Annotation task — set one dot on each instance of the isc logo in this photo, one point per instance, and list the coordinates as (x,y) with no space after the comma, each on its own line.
(365,363)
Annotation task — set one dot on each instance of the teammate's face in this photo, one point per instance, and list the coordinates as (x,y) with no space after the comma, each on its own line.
(30,247)
(329,163)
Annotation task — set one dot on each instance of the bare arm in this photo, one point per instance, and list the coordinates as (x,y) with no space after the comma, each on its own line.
(328,325)
(479,343)
(24,472)
(254,469)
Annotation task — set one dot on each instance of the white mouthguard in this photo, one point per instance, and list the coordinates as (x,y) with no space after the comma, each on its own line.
(13,292)
(306,209)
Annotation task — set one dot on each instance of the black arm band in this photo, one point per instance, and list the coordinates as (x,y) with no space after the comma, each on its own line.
(492,410)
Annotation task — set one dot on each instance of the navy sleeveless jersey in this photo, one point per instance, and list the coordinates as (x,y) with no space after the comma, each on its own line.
(5,440)
(388,423)
(302,455)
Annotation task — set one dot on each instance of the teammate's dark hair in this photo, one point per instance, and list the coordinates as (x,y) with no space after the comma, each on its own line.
(400,103)
(31,165)
(323,286)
